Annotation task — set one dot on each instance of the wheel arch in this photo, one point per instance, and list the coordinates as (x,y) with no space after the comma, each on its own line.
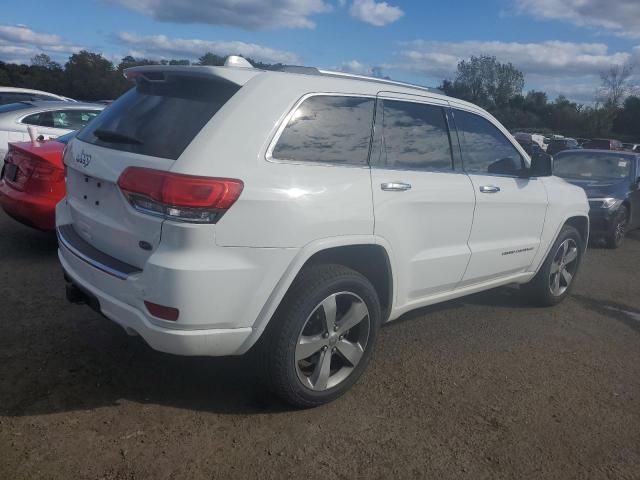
(368,256)
(580,223)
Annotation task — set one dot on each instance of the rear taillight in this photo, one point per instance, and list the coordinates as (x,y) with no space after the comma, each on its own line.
(179,197)
(35,175)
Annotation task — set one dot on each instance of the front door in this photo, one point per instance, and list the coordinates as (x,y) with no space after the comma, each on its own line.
(510,210)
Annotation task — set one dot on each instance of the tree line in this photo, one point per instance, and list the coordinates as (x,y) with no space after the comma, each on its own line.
(89,76)
(495,86)
(498,87)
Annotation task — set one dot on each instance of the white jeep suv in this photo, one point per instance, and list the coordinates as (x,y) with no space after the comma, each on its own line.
(215,209)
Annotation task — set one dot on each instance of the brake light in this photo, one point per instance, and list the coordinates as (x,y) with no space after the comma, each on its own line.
(179,197)
(34,175)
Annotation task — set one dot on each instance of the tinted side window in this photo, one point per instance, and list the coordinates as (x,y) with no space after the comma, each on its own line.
(328,129)
(42,119)
(485,149)
(73,119)
(415,136)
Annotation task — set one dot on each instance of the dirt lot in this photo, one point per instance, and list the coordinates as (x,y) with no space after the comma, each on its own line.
(477,388)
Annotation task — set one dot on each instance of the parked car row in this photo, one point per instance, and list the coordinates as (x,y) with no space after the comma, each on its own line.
(218,210)
(51,119)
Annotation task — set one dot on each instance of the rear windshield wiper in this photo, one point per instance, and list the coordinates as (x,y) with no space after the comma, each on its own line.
(115,137)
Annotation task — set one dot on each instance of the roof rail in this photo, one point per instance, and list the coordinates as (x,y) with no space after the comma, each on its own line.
(302,70)
(365,78)
(299,69)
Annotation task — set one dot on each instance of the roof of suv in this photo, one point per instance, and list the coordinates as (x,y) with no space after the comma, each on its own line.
(317,80)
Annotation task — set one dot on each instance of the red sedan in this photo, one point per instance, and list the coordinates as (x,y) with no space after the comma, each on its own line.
(32,182)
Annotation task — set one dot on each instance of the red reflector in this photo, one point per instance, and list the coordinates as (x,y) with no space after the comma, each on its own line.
(160,311)
(180,191)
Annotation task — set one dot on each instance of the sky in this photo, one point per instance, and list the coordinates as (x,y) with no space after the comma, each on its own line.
(560,45)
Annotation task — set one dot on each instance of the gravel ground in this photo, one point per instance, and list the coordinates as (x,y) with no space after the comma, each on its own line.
(477,388)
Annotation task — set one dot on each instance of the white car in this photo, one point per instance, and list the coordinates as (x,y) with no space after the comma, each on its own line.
(51,119)
(13,95)
(215,209)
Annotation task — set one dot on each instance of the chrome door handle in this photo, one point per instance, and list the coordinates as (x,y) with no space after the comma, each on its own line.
(489,189)
(395,187)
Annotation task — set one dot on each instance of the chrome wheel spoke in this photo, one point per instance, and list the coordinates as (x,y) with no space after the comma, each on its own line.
(571,255)
(307,346)
(356,313)
(330,311)
(567,276)
(555,268)
(351,352)
(320,377)
(556,284)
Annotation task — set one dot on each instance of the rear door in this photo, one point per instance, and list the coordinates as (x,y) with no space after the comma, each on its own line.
(423,205)
(150,126)
(510,210)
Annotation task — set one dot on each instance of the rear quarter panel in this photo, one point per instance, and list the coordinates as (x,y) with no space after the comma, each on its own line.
(283,204)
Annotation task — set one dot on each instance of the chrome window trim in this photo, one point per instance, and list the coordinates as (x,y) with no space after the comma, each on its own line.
(285,121)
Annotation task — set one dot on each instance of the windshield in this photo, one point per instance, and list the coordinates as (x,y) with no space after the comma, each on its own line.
(592,166)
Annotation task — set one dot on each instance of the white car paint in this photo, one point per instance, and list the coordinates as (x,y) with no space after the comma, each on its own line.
(13,127)
(443,238)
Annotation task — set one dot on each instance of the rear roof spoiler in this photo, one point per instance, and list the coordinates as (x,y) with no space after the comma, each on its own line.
(159,73)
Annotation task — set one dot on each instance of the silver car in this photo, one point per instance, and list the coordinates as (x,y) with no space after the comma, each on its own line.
(50,118)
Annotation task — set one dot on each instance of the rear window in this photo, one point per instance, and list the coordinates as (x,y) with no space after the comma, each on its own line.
(159,119)
(328,129)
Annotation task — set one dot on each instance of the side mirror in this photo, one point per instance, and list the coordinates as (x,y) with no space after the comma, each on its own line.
(541,165)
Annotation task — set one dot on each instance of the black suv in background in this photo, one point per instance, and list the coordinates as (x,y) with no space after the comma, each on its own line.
(557,146)
(603,144)
(611,180)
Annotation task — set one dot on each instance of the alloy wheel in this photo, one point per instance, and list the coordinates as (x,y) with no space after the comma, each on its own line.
(620,230)
(332,341)
(563,267)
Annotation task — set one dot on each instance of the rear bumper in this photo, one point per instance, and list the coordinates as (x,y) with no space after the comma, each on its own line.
(220,292)
(209,342)
(34,211)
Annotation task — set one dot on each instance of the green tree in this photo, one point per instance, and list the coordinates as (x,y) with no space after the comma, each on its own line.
(90,76)
(627,119)
(486,82)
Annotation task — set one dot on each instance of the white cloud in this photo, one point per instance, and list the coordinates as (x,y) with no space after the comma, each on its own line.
(375,13)
(354,66)
(622,17)
(18,43)
(161,46)
(545,58)
(250,14)
(567,68)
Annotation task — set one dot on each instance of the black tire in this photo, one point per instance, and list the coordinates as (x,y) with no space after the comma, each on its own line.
(539,290)
(314,285)
(615,237)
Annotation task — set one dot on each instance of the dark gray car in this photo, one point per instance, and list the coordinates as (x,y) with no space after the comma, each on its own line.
(611,180)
